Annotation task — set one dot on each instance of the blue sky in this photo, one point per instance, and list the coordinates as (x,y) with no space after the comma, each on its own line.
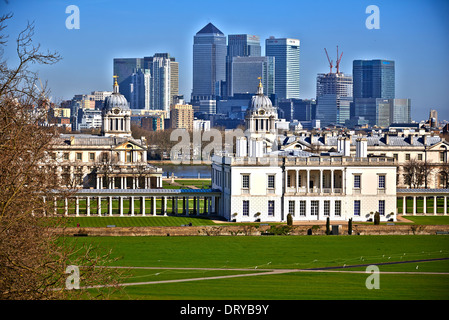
(414,33)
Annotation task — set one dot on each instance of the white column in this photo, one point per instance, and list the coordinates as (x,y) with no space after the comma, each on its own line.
(404,205)
(153,203)
(414,205)
(98,183)
(99,206)
(55,205)
(88,206)
(321,181)
(66,206)
(142,206)
(77,206)
(110,206)
(164,203)
(308,181)
(434,205)
(445,205)
(187,205)
(332,181)
(297,180)
(121,206)
(424,209)
(131,200)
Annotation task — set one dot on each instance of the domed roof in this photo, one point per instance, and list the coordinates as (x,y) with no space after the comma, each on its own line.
(260,101)
(116,99)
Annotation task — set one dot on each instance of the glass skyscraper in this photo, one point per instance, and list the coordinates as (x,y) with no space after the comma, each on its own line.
(124,69)
(244,73)
(209,63)
(373,80)
(240,45)
(286,54)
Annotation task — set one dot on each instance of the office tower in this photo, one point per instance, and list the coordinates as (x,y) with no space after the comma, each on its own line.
(297,109)
(140,89)
(163,69)
(244,74)
(286,54)
(240,45)
(209,63)
(333,98)
(373,79)
(124,68)
(390,111)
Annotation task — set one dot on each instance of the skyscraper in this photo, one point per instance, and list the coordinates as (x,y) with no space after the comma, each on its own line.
(244,74)
(140,89)
(333,98)
(160,83)
(286,54)
(123,69)
(209,63)
(373,79)
(240,45)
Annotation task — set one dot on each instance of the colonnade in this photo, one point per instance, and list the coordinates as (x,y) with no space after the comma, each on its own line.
(112,202)
(318,181)
(129,182)
(424,198)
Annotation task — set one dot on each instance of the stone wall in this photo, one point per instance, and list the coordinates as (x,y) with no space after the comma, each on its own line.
(238,230)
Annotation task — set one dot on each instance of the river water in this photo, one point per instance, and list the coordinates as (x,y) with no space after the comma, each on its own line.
(186,171)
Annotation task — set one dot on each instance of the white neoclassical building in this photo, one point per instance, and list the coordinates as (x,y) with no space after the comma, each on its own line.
(260,182)
(111,160)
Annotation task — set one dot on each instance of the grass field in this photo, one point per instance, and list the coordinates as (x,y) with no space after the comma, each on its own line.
(288,254)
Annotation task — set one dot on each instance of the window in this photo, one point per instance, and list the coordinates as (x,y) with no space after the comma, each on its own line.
(381,182)
(314,207)
(271,208)
(357,179)
(271,181)
(338,207)
(407,156)
(382,207)
(327,207)
(91,156)
(245,182)
(291,207)
(246,207)
(302,208)
(357,207)
(420,156)
(79,156)
(442,156)
(289,181)
(395,156)
(66,156)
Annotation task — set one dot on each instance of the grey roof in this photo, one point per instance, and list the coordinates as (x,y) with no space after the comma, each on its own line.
(376,140)
(210,29)
(422,190)
(93,140)
(142,192)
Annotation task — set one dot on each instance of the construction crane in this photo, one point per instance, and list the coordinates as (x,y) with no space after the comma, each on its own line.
(338,61)
(330,61)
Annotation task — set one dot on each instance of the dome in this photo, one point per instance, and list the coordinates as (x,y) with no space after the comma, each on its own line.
(260,102)
(116,100)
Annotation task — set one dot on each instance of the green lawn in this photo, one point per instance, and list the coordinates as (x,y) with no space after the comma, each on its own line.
(282,252)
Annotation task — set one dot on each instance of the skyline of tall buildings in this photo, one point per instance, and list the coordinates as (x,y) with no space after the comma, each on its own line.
(227,71)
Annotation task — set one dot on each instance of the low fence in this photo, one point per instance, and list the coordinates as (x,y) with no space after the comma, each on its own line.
(252,230)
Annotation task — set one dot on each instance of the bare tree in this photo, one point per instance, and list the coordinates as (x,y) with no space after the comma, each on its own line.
(417,173)
(33,258)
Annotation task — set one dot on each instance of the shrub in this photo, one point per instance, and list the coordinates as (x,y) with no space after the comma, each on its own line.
(377,218)
(289,220)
